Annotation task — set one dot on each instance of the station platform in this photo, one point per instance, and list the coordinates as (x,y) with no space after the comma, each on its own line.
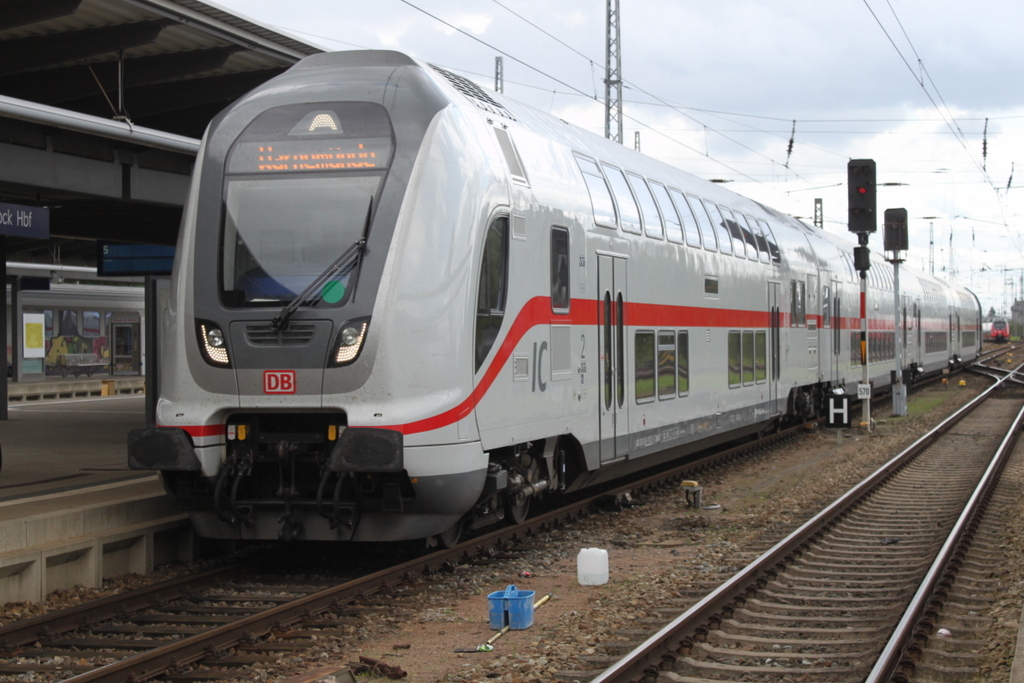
(71,511)
(73,387)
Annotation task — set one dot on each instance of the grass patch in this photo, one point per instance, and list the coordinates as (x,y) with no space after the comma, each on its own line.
(922,404)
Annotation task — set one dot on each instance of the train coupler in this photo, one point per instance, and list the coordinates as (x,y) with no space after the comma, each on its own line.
(291,527)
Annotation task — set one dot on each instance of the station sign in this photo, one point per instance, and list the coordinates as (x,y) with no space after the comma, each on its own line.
(25,221)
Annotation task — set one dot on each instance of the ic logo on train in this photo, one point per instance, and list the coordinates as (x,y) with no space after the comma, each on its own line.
(278,381)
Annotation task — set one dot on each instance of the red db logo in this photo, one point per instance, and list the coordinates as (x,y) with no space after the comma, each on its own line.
(278,381)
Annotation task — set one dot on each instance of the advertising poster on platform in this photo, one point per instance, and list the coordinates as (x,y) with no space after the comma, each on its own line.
(35,342)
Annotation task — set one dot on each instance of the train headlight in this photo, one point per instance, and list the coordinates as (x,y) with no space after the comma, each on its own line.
(213,344)
(349,342)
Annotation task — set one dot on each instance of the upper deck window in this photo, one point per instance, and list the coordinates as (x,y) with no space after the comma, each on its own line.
(724,237)
(600,196)
(734,230)
(748,235)
(690,226)
(707,230)
(773,246)
(648,208)
(629,214)
(673,229)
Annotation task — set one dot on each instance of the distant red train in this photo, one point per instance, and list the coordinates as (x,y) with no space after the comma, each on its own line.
(996,331)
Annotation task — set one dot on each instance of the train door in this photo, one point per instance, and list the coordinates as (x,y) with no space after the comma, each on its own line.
(836,334)
(811,326)
(774,346)
(917,322)
(611,288)
(125,349)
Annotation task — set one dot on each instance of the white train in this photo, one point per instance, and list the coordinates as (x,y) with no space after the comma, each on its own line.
(403,305)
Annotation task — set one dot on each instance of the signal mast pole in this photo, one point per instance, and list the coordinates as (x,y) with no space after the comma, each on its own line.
(860,176)
(896,244)
(613,76)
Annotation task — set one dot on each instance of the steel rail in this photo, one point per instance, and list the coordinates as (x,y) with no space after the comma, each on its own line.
(649,656)
(19,633)
(894,654)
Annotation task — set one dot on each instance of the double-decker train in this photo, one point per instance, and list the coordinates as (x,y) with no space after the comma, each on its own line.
(402,305)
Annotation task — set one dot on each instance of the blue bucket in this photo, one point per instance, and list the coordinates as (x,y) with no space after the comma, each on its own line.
(511,607)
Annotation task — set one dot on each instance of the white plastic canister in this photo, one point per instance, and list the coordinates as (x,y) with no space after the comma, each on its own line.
(592,566)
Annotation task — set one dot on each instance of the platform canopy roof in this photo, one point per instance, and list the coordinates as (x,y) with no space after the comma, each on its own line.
(101,102)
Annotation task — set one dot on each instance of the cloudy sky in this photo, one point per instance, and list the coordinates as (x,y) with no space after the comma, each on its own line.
(714,87)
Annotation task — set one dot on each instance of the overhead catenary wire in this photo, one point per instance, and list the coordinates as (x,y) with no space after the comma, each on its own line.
(921,75)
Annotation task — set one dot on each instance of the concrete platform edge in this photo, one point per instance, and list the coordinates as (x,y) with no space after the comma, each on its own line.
(83,537)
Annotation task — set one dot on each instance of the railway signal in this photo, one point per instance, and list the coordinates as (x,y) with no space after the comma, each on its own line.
(860,180)
(860,177)
(897,242)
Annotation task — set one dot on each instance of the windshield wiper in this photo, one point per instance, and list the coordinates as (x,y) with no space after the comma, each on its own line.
(344,264)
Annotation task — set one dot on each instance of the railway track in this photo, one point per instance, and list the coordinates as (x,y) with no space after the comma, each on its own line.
(214,625)
(821,603)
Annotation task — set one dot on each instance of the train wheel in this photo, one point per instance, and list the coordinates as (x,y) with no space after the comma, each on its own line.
(451,537)
(518,507)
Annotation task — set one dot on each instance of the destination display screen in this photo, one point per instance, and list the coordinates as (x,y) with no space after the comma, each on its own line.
(332,154)
(315,137)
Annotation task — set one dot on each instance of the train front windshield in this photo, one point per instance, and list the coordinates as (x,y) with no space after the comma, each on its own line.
(300,183)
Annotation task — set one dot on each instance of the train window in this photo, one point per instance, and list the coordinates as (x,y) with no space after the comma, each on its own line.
(690,227)
(666,365)
(683,362)
(91,323)
(707,230)
(673,228)
(735,359)
(629,214)
(265,265)
(748,357)
(490,308)
(508,150)
(826,308)
(600,196)
(762,242)
(606,326)
(797,303)
(68,323)
(645,378)
(724,238)
(748,236)
(734,229)
(773,246)
(760,356)
(620,349)
(559,270)
(653,226)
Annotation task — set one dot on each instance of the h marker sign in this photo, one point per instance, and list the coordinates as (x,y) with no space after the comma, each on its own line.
(839,411)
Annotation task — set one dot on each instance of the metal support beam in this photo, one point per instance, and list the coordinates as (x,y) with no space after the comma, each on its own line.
(613,76)
(3,325)
(42,114)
